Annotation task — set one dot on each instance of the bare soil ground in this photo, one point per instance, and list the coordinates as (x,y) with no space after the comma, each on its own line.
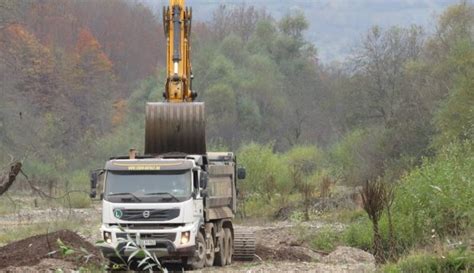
(279,241)
(31,251)
(279,247)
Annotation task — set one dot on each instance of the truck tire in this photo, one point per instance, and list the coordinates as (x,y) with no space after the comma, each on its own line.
(229,246)
(220,255)
(210,252)
(199,258)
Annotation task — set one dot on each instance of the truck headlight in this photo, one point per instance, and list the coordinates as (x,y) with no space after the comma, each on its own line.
(185,237)
(107,237)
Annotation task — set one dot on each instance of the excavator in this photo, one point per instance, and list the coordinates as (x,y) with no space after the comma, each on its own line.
(178,124)
(177,200)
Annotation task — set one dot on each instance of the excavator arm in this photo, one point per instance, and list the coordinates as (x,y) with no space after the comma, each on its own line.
(178,123)
(177,27)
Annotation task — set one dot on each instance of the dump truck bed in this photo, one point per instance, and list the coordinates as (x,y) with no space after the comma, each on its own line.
(221,201)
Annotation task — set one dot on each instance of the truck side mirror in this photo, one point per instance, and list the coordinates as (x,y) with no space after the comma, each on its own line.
(94,177)
(203,181)
(241,173)
(93,180)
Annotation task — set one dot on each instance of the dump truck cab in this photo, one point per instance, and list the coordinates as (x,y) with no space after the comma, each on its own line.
(156,202)
(168,204)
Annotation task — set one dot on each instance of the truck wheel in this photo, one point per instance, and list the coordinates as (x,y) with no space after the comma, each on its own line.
(229,246)
(220,255)
(210,252)
(199,258)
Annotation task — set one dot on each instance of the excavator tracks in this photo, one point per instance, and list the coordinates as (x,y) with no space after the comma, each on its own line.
(244,245)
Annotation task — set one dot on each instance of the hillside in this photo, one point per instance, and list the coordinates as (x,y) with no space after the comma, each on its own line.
(334,25)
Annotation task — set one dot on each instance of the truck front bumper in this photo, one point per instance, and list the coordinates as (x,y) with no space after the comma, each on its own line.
(169,251)
(168,242)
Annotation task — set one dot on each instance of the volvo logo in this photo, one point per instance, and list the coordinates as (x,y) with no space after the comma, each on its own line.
(118,213)
(146,214)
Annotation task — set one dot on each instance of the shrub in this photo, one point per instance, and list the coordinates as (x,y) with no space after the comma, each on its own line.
(266,174)
(373,194)
(302,162)
(326,239)
(359,235)
(254,206)
(438,195)
(77,200)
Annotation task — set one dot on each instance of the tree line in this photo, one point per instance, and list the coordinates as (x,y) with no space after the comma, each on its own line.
(75,77)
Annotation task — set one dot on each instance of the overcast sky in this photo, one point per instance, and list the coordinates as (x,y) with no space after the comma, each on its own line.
(335,25)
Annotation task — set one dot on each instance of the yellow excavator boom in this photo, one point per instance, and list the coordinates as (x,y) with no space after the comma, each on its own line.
(177,27)
(178,123)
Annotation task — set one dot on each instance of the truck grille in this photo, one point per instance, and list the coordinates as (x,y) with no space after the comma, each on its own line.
(153,215)
(149,236)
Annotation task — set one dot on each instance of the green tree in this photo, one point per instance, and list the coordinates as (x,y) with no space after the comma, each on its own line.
(221,111)
(455,118)
(303,162)
(266,174)
(455,43)
(359,157)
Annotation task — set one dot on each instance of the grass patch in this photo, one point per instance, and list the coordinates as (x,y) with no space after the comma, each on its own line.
(345,216)
(327,239)
(460,260)
(7,206)
(78,200)
(359,235)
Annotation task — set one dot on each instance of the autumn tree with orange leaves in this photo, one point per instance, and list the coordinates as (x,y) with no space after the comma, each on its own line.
(32,65)
(94,81)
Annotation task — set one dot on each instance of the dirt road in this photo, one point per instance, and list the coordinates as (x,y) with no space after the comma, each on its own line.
(279,248)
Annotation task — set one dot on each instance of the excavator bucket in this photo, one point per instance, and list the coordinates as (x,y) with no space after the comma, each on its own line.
(175,127)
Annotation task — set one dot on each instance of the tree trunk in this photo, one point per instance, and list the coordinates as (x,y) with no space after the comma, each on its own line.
(377,246)
(7,180)
(306,210)
(391,237)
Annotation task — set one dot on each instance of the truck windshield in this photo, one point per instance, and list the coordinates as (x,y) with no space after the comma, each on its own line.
(148,186)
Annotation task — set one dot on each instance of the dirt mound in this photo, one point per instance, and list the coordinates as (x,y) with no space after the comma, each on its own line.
(32,250)
(286,253)
(279,243)
(349,255)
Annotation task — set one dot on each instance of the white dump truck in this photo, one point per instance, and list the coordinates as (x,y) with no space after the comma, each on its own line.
(180,207)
